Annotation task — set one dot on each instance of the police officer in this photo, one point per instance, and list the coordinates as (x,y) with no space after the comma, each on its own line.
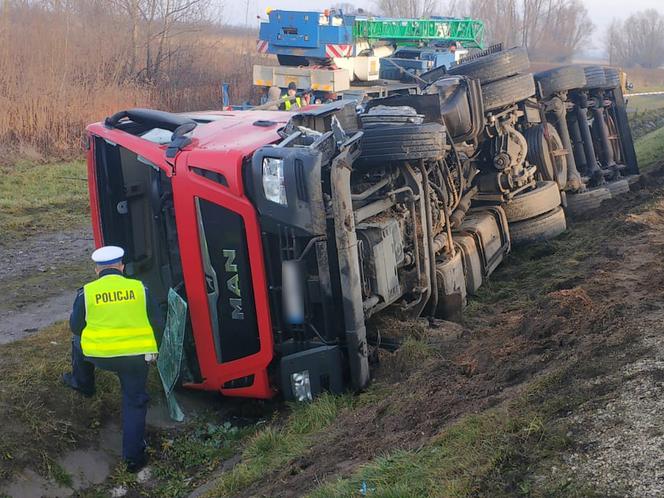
(288,98)
(115,323)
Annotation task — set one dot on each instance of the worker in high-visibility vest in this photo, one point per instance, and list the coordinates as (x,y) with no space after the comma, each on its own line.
(289,102)
(115,324)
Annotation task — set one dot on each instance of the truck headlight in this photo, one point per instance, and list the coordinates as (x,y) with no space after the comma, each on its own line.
(301,386)
(273,180)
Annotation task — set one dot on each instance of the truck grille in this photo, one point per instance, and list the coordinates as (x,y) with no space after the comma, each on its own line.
(228,281)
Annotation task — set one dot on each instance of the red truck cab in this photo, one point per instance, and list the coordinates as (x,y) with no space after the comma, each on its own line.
(187,218)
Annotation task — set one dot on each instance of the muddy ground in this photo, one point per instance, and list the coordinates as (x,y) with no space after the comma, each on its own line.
(588,307)
(603,326)
(38,280)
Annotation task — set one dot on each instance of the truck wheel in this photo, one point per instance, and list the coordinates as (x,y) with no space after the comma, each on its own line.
(583,202)
(612,77)
(546,151)
(403,142)
(543,198)
(496,66)
(508,91)
(561,79)
(595,77)
(614,138)
(619,187)
(544,227)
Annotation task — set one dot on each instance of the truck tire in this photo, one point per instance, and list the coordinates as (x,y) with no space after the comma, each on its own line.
(544,151)
(619,187)
(612,77)
(542,199)
(496,66)
(595,77)
(543,227)
(403,142)
(589,200)
(507,91)
(561,79)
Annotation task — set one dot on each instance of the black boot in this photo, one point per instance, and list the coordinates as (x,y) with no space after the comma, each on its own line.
(69,381)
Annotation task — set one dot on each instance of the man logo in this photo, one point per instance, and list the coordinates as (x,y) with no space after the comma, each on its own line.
(233,285)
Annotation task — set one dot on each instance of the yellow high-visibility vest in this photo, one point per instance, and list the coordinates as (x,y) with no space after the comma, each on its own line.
(288,104)
(116,319)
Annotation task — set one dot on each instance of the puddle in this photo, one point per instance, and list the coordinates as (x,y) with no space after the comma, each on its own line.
(29,484)
(87,467)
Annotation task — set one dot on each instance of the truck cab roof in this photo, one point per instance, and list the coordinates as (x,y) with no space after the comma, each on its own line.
(241,132)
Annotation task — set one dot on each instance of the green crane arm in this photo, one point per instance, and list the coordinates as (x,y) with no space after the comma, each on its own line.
(470,32)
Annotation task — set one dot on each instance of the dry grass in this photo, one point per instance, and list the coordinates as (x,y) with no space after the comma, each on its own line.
(60,70)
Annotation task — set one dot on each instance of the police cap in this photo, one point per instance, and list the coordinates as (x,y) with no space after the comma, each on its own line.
(108,255)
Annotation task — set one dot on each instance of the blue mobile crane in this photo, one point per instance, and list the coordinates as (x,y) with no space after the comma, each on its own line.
(330,51)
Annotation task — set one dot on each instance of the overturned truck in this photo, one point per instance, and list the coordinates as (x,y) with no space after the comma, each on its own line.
(285,233)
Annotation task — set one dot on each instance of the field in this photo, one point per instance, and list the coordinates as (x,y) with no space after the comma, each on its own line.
(36,198)
(650,148)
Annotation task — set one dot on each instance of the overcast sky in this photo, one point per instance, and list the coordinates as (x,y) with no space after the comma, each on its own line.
(601,11)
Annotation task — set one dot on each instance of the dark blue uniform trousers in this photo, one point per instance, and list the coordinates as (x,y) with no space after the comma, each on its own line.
(133,373)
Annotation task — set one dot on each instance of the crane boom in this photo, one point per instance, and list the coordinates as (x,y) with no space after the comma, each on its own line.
(470,32)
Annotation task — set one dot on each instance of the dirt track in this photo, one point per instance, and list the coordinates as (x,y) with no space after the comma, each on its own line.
(38,278)
(605,325)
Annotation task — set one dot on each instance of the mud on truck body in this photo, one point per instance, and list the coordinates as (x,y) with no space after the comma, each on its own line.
(286,233)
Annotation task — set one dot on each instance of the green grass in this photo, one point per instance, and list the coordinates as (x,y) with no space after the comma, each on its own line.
(646,102)
(275,446)
(193,454)
(182,459)
(40,419)
(650,149)
(42,197)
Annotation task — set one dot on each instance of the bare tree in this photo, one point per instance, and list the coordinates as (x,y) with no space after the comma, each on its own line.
(638,41)
(559,29)
(153,24)
(551,29)
(501,18)
(407,8)
(349,8)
